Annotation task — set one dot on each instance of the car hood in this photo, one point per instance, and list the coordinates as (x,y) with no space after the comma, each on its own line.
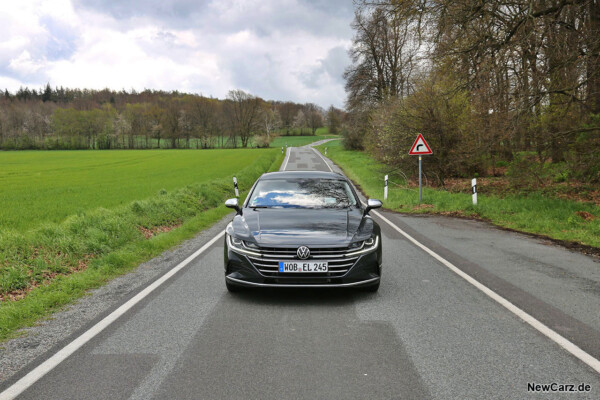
(282,227)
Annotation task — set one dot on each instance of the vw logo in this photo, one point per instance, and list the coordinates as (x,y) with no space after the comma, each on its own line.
(303,252)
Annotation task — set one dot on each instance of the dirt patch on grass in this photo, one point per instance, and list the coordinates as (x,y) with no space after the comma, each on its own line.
(423,207)
(586,215)
(46,277)
(156,230)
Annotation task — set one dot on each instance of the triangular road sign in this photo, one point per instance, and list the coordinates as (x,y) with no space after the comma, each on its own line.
(420,147)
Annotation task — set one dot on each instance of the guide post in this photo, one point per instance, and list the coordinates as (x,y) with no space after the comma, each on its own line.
(235,186)
(420,148)
(385,188)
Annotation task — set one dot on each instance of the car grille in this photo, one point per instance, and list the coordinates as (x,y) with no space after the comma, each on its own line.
(268,262)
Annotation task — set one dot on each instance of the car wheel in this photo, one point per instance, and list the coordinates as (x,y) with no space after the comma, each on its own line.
(232,288)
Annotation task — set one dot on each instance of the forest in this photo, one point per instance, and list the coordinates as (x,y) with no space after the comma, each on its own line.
(496,87)
(65,119)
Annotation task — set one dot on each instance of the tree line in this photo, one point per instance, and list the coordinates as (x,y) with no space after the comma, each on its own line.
(59,118)
(489,84)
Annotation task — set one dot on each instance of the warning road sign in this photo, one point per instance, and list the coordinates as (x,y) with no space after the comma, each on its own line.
(420,147)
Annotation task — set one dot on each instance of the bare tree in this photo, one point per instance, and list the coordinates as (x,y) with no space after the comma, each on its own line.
(242,111)
(314,116)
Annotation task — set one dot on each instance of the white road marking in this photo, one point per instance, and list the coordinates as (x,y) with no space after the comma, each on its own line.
(25,382)
(287,158)
(322,158)
(539,326)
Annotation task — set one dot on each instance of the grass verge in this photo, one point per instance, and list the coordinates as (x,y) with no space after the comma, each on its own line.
(57,263)
(575,223)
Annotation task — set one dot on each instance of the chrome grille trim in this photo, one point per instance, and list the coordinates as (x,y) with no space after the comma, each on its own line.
(339,262)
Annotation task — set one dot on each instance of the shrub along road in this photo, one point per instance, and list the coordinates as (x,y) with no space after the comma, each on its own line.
(428,332)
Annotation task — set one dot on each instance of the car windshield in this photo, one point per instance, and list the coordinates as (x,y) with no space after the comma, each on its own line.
(302,193)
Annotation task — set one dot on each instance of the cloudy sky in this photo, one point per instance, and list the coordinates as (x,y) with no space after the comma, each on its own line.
(276,49)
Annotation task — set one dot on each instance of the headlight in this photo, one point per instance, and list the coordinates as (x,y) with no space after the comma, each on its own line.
(238,246)
(368,246)
(356,245)
(250,245)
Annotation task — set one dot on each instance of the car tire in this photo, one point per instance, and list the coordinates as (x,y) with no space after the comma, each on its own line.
(231,288)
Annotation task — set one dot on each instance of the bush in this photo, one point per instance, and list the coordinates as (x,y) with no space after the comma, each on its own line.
(263,141)
(354,131)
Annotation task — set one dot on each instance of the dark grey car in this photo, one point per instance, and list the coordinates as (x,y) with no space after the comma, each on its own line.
(302,229)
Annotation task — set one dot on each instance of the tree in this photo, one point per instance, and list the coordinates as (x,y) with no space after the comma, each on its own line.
(529,72)
(383,56)
(170,121)
(287,111)
(66,118)
(156,118)
(300,121)
(47,95)
(270,119)
(333,120)
(314,116)
(242,111)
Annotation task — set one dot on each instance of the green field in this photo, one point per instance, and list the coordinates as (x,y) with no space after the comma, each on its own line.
(532,213)
(80,218)
(38,186)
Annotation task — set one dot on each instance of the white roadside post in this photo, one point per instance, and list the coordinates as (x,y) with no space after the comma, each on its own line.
(474,189)
(281,149)
(385,188)
(325,150)
(235,186)
(420,148)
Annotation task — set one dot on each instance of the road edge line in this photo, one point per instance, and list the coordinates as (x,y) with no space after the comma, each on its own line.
(322,158)
(287,158)
(563,342)
(38,372)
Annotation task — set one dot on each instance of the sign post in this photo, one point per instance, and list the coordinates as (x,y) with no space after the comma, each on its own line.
(420,185)
(420,148)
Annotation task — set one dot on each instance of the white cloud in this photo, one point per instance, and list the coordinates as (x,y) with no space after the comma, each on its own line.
(282,50)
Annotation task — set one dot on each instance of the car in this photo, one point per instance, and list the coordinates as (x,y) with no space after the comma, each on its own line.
(302,229)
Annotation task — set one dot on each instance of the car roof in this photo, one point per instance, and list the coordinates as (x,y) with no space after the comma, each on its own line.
(302,175)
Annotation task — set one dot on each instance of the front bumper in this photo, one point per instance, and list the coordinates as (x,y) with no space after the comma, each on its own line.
(239,270)
(241,282)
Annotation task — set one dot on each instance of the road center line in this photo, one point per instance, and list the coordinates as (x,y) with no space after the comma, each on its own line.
(38,372)
(540,327)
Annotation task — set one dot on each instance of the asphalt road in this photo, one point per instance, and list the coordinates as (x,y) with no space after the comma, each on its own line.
(427,333)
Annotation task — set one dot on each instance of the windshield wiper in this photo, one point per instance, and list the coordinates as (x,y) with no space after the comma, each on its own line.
(255,207)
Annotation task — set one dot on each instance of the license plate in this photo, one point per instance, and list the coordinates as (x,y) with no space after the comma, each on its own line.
(303,266)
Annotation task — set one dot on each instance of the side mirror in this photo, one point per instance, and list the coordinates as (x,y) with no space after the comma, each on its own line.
(371,204)
(233,203)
